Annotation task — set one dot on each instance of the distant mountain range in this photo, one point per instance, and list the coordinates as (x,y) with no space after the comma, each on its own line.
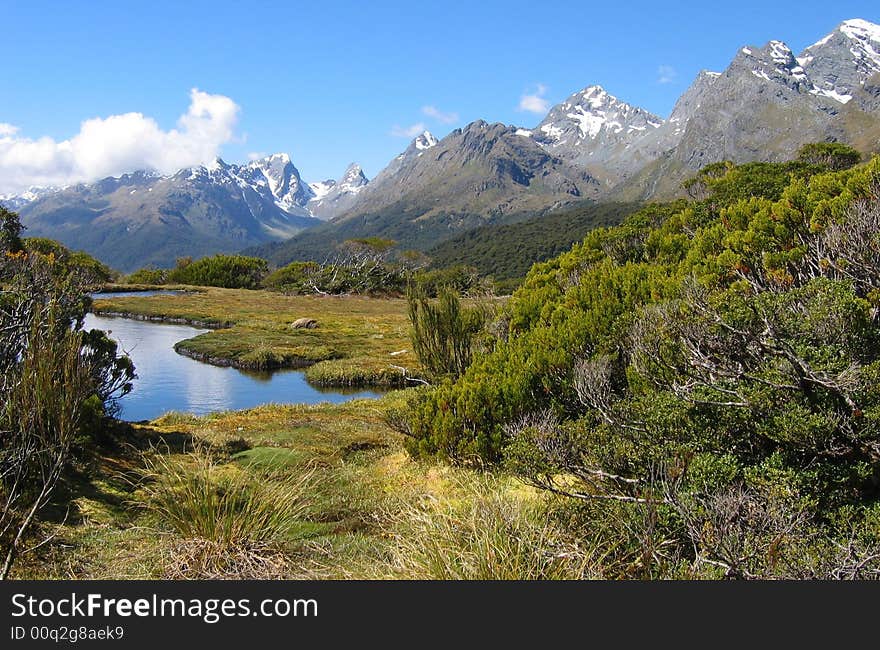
(593,146)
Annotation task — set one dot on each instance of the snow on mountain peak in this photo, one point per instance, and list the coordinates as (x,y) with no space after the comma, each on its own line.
(593,110)
(425,141)
(859,29)
(596,96)
(774,62)
(780,53)
(843,60)
(322,188)
(865,39)
(216,165)
(352,180)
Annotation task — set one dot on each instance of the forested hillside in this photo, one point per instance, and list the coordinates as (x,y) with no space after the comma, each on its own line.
(508,251)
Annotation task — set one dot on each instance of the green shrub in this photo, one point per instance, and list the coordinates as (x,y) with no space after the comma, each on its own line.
(147,276)
(443,332)
(665,279)
(832,155)
(228,271)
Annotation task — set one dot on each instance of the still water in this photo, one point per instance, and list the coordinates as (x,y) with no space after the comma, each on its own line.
(168,381)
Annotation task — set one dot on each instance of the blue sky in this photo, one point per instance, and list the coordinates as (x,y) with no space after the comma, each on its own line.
(332,83)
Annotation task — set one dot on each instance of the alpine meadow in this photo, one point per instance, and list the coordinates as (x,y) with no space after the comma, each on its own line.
(601,343)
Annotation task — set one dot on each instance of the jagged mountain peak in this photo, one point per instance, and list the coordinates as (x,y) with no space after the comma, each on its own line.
(590,114)
(841,63)
(353,178)
(330,197)
(773,62)
(353,169)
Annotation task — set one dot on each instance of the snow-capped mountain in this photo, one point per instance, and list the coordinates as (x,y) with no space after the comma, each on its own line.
(270,188)
(333,197)
(593,128)
(765,105)
(281,178)
(17,201)
(841,64)
(145,218)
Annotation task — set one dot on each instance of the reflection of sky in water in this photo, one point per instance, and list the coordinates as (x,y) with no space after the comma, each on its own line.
(168,381)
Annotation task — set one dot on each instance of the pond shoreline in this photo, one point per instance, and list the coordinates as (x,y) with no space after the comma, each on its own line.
(171,380)
(172,320)
(357,342)
(223,362)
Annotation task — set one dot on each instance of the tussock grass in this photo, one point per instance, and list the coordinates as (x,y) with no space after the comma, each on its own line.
(232,501)
(488,534)
(226,522)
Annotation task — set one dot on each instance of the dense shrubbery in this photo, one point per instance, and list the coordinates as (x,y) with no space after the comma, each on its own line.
(704,377)
(97,272)
(229,271)
(56,380)
(147,276)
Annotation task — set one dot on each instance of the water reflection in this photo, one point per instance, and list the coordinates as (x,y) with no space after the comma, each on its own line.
(168,381)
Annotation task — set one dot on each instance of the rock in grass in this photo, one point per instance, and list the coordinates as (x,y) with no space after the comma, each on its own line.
(304,323)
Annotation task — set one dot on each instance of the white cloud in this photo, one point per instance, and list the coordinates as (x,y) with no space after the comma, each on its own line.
(666,74)
(535,102)
(408,131)
(257,155)
(117,144)
(440,116)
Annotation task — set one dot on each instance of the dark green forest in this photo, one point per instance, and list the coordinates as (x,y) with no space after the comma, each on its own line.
(506,252)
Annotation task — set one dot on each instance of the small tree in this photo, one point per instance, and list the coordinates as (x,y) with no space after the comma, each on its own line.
(10,231)
(443,331)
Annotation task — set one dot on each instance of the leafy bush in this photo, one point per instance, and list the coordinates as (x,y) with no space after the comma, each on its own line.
(76,261)
(709,366)
(682,273)
(56,380)
(228,271)
(832,155)
(460,278)
(147,276)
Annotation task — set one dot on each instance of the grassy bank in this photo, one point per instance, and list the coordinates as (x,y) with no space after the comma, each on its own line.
(358,340)
(323,491)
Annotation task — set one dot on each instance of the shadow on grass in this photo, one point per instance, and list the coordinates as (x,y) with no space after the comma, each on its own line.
(106,470)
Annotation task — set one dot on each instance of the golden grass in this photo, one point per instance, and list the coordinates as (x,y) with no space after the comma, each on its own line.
(364,502)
